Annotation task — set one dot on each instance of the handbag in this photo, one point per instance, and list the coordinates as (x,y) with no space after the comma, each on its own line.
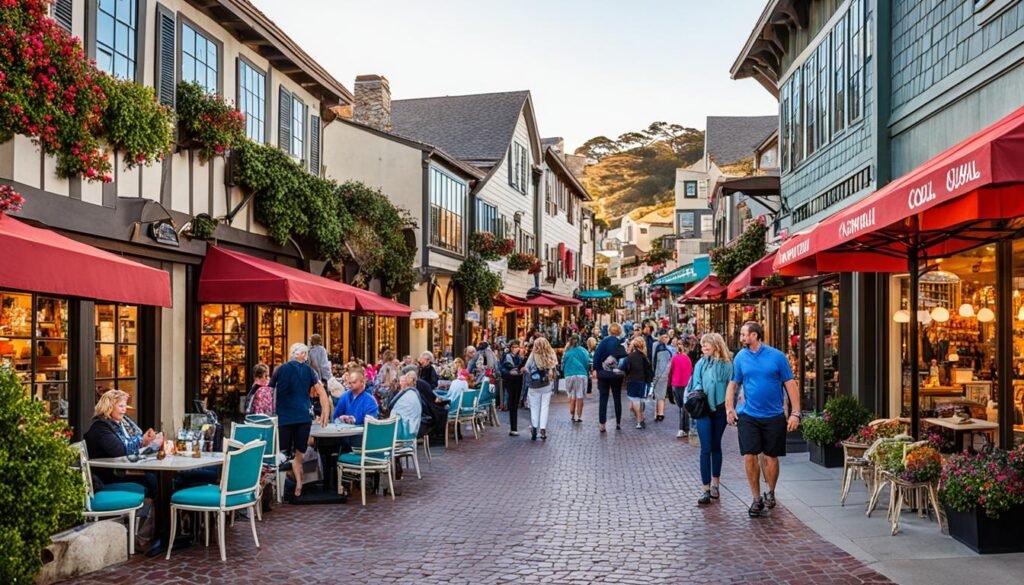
(696,403)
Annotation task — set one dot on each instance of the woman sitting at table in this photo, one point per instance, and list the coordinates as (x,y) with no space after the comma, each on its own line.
(114,434)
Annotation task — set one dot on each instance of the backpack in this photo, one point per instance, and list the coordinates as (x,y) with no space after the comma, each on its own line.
(540,377)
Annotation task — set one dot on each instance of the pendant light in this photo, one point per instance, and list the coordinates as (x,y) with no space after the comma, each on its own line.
(966,310)
(924,317)
(901,316)
(940,314)
(986,315)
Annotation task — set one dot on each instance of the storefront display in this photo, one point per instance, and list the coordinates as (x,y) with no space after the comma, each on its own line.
(271,341)
(373,334)
(117,350)
(34,340)
(806,329)
(222,365)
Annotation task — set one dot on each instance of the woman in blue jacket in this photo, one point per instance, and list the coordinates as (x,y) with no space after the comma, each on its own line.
(576,369)
(712,375)
(609,376)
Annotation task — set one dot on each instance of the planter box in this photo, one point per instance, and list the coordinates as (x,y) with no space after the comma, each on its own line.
(826,455)
(795,442)
(985,535)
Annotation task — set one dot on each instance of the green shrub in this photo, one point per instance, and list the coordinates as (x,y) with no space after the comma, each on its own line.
(40,494)
(842,417)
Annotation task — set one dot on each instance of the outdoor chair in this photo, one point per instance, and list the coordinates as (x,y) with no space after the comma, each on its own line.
(856,463)
(487,411)
(239,485)
(272,450)
(375,456)
(245,433)
(114,500)
(466,412)
(405,448)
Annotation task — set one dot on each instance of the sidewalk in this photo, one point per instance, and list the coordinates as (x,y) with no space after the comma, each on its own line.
(918,554)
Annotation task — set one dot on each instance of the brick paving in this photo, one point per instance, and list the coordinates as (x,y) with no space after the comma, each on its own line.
(580,508)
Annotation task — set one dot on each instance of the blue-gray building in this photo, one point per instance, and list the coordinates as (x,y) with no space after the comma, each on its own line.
(869,91)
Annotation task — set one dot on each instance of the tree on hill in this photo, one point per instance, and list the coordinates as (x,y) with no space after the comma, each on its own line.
(638,169)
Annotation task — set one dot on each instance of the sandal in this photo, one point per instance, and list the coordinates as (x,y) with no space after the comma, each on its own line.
(704,499)
(715,494)
(756,508)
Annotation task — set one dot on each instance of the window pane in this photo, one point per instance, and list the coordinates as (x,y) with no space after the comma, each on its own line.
(127,330)
(105,323)
(105,363)
(126,361)
(188,40)
(200,48)
(120,66)
(188,69)
(105,29)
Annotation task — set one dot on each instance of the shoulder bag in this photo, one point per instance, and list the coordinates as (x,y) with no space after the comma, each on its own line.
(696,403)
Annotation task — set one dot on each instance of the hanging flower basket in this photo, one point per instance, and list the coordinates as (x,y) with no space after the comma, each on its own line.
(521,261)
(10,200)
(202,227)
(489,247)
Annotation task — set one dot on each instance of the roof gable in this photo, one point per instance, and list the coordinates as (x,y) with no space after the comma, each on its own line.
(730,139)
(474,128)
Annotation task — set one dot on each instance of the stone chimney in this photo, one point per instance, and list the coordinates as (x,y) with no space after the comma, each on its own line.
(373,102)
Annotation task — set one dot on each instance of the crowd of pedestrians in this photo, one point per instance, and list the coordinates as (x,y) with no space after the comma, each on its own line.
(710,387)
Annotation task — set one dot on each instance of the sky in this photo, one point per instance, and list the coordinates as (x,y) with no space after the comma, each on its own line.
(594,67)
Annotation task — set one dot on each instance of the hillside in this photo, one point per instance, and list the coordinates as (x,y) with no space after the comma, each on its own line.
(639,169)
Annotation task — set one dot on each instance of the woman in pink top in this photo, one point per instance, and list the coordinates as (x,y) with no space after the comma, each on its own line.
(679,371)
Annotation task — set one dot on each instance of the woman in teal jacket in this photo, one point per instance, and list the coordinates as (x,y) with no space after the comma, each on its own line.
(575,371)
(712,375)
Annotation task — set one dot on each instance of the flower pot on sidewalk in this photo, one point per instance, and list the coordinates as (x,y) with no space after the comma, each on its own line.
(826,455)
(986,535)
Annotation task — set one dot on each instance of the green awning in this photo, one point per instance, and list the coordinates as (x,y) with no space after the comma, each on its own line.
(695,271)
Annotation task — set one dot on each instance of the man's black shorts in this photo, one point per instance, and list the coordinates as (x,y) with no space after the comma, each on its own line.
(762,435)
(294,437)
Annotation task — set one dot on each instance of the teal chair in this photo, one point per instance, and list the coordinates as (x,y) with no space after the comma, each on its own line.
(270,435)
(245,433)
(406,448)
(467,411)
(375,456)
(110,502)
(487,410)
(239,484)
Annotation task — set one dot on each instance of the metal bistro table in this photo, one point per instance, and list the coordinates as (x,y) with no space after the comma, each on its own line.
(960,429)
(333,433)
(166,469)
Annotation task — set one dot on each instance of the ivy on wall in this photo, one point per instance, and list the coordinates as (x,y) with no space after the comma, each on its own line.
(479,284)
(376,237)
(730,261)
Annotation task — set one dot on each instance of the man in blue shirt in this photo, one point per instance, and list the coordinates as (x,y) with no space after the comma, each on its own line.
(293,382)
(355,404)
(763,371)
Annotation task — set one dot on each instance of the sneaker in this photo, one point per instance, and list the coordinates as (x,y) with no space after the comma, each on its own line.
(715,494)
(638,426)
(681,434)
(769,499)
(756,508)
(513,433)
(704,499)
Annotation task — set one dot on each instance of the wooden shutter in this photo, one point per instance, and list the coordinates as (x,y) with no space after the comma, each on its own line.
(284,121)
(314,145)
(165,54)
(62,12)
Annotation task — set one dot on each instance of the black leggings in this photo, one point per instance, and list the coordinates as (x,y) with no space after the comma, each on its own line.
(604,385)
(514,387)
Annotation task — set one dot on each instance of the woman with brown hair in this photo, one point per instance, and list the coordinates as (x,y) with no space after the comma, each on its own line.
(639,374)
(540,373)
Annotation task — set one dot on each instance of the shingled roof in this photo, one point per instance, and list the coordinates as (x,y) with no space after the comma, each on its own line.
(730,139)
(474,128)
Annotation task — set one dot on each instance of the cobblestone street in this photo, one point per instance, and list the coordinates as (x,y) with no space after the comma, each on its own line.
(580,508)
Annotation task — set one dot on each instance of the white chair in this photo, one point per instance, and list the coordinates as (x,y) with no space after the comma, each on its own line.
(110,503)
(239,484)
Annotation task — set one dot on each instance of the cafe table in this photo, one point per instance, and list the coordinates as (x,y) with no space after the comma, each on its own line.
(327,438)
(166,469)
(960,429)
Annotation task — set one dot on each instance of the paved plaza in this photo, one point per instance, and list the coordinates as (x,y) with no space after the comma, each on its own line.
(580,508)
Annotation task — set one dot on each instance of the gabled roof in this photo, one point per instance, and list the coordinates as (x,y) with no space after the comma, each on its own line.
(554,160)
(658,217)
(474,128)
(249,25)
(730,139)
(432,151)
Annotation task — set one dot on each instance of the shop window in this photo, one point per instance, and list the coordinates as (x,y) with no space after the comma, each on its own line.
(809,349)
(830,341)
(375,334)
(447,209)
(34,341)
(117,344)
(335,338)
(271,339)
(222,359)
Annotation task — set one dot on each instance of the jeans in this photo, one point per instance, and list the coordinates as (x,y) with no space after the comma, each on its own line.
(710,429)
(514,386)
(539,405)
(684,417)
(614,386)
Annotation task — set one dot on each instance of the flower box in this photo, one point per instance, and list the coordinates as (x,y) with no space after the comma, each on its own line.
(986,535)
(826,455)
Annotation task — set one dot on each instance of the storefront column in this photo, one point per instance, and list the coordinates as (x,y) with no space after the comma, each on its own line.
(82,365)
(915,340)
(1004,340)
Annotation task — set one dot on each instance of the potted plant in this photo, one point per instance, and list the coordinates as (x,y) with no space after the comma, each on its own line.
(521,262)
(489,247)
(983,496)
(202,227)
(843,415)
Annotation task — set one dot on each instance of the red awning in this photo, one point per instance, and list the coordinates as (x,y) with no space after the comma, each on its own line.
(750,279)
(42,261)
(561,301)
(946,205)
(509,301)
(708,289)
(233,277)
